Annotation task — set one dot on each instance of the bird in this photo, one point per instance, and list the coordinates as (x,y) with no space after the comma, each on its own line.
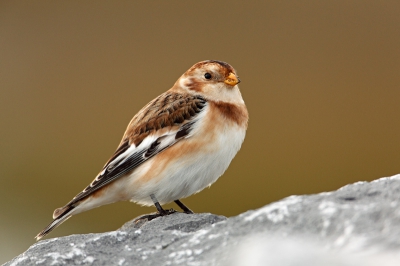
(175,146)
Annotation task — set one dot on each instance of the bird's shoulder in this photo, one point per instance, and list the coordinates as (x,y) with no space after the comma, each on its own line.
(168,110)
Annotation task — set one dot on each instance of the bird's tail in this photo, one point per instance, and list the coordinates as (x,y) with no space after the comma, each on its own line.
(60,215)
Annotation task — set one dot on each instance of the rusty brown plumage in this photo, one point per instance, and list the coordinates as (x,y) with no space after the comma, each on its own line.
(225,67)
(172,109)
(232,112)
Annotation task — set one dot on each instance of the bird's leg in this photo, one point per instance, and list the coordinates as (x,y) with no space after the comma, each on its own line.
(160,210)
(183,207)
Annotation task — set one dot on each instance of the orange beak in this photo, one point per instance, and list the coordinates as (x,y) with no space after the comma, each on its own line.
(232,79)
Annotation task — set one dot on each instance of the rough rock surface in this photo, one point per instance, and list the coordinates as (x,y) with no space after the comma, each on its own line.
(359,224)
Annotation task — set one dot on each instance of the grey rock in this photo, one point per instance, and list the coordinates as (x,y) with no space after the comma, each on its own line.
(359,224)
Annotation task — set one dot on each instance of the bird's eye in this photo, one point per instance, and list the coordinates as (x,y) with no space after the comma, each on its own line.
(207,75)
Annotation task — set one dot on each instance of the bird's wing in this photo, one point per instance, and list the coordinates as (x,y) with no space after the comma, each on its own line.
(159,125)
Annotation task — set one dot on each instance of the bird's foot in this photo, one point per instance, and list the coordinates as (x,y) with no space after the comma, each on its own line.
(166,212)
(160,211)
(148,217)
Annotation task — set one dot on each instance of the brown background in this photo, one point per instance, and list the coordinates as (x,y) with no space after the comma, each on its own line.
(320,79)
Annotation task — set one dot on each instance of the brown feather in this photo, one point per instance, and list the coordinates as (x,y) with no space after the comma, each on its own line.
(232,112)
(170,110)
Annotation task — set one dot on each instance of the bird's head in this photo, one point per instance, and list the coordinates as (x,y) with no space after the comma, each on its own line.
(214,80)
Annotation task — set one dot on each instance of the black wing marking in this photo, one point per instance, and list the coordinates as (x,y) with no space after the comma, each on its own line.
(109,175)
(184,130)
(119,169)
(121,149)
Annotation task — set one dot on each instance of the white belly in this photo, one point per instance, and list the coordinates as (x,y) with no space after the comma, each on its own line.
(197,171)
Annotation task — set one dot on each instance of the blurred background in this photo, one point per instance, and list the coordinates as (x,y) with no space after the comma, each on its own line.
(321,80)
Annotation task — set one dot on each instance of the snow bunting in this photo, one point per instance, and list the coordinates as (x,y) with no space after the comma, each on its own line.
(177,145)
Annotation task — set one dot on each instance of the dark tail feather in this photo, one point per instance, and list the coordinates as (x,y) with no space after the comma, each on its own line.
(61,217)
